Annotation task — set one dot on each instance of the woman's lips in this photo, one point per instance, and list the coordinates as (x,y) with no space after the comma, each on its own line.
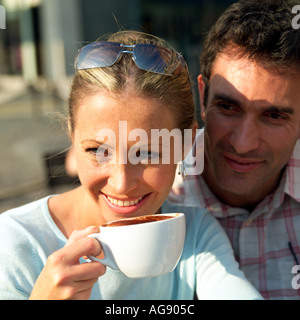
(121,203)
(127,206)
(242,164)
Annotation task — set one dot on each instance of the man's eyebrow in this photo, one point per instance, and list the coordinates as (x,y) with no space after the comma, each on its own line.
(280,109)
(225,97)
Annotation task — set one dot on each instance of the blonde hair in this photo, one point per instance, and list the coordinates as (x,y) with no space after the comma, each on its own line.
(173,91)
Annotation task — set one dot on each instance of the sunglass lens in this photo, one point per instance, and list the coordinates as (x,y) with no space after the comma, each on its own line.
(98,55)
(149,58)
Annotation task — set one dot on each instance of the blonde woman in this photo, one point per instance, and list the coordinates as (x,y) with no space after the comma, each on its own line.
(134,81)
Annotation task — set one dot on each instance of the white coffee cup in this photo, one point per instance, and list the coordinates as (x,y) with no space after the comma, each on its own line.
(142,249)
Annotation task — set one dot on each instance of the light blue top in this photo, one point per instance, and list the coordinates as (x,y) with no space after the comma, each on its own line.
(28,235)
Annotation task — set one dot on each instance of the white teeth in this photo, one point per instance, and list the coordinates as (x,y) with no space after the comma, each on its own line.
(121,203)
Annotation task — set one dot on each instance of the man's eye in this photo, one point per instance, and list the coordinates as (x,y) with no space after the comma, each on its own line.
(226,106)
(276,116)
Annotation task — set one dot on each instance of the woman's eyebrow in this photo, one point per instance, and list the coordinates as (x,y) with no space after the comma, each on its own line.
(92,140)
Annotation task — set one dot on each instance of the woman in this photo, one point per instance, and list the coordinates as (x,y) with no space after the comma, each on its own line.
(118,85)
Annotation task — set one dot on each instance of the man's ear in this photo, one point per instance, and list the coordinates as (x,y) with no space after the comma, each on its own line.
(201,88)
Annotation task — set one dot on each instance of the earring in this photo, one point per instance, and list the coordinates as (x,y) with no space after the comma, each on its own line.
(182,170)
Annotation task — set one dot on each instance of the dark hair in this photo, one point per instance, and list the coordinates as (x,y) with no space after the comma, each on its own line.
(260,30)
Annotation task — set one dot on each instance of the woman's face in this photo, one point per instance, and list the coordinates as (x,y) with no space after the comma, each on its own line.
(119,187)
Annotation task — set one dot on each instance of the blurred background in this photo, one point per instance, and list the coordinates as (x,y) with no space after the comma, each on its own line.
(38,43)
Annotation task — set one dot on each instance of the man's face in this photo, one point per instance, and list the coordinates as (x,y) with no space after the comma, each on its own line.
(252,122)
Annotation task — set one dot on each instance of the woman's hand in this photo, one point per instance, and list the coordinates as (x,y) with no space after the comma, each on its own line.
(63,277)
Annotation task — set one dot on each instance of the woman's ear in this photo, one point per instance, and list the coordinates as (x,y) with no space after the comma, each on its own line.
(201,88)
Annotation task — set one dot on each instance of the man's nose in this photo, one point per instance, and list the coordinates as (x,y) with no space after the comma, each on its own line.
(123,178)
(245,136)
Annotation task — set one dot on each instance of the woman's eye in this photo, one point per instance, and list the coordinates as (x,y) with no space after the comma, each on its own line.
(146,156)
(92,150)
(100,150)
(102,154)
(143,154)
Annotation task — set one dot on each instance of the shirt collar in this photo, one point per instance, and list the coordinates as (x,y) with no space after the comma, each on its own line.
(292,185)
(217,208)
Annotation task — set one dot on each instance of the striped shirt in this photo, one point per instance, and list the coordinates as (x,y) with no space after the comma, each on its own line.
(266,241)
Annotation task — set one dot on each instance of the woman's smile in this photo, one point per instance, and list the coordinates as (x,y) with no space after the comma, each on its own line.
(121,203)
(126,207)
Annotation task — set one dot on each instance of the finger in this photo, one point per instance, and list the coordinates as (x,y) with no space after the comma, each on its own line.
(79,234)
(85,285)
(83,247)
(88,271)
(76,290)
(83,294)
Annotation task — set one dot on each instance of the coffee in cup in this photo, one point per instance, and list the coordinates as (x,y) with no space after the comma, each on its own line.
(145,246)
(136,220)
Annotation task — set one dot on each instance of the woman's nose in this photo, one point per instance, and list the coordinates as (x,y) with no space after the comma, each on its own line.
(122,178)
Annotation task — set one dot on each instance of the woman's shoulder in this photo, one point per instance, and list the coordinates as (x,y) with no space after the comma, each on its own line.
(28,223)
(193,214)
(201,227)
(32,211)
(25,246)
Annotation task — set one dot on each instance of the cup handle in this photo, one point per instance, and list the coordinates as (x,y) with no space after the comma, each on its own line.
(108,259)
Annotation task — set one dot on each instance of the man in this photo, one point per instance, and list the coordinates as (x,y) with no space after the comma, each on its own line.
(250,104)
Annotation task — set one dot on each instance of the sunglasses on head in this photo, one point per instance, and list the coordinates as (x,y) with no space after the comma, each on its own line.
(147,57)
